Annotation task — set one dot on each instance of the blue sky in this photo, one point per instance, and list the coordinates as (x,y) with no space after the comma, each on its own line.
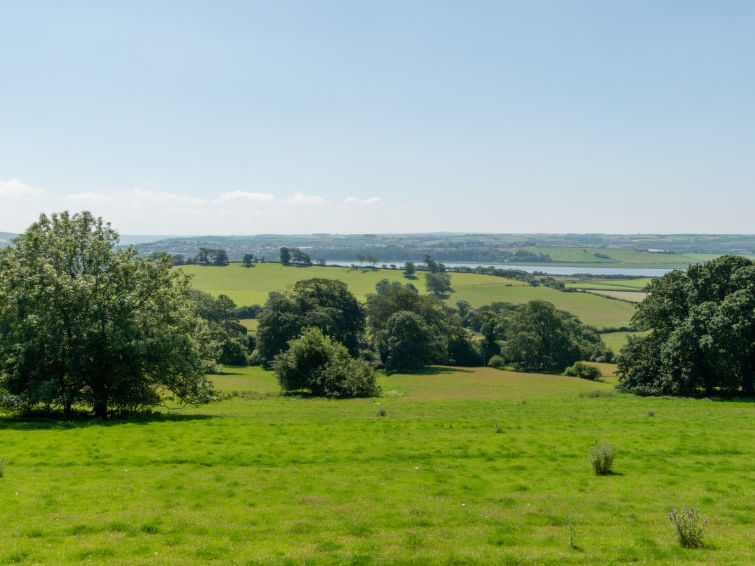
(298,117)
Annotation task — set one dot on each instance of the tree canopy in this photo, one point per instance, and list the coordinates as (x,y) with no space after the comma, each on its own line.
(701,332)
(87,323)
(322,303)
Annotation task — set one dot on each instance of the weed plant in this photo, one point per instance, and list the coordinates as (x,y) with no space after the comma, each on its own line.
(602,455)
(688,526)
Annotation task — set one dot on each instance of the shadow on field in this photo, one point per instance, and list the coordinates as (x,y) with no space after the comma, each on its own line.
(81,421)
(437,370)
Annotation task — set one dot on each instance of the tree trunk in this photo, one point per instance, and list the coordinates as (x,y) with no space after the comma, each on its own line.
(67,410)
(100,409)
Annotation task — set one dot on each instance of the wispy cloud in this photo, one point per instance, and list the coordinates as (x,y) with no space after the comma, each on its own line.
(245,195)
(15,188)
(301,198)
(363,202)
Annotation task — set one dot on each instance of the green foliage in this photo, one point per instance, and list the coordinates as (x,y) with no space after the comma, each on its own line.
(586,371)
(405,342)
(209,256)
(285,255)
(688,526)
(438,283)
(88,323)
(323,366)
(3,463)
(537,336)
(497,361)
(701,332)
(602,455)
(326,304)
(409,268)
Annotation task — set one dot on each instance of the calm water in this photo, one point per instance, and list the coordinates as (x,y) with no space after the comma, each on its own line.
(552,270)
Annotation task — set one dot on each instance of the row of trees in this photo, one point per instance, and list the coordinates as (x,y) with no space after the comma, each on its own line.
(400,329)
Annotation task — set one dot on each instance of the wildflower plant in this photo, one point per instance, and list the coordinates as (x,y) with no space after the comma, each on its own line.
(602,455)
(688,525)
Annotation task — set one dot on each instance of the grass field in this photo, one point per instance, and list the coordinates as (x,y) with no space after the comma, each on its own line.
(607,284)
(616,340)
(264,479)
(248,286)
(575,256)
(631,296)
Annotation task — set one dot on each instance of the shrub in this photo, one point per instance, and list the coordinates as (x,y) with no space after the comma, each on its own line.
(651,413)
(586,371)
(323,366)
(689,528)
(382,412)
(602,455)
(497,361)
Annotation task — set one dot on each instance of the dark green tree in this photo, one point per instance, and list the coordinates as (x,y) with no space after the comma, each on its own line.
(285,256)
(87,323)
(323,366)
(701,332)
(322,303)
(438,283)
(409,268)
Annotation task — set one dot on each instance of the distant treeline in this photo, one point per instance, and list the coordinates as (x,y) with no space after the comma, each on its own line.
(449,246)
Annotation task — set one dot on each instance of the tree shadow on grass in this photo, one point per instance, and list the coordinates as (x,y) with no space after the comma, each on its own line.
(82,420)
(436,370)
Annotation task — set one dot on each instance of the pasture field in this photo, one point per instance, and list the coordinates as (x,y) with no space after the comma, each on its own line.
(260,478)
(616,340)
(248,286)
(576,256)
(631,296)
(607,284)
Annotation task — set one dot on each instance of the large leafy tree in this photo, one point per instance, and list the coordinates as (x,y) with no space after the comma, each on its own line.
(86,322)
(701,332)
(326,304)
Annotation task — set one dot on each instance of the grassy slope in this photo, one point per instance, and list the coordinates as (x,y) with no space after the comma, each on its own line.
(573,256)
(609,284)
(247,286)
(279,480)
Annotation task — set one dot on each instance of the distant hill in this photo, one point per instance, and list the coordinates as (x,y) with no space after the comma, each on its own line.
(526,249)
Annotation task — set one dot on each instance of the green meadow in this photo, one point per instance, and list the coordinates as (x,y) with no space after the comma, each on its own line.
(248,286)
(468,466)
(618,257)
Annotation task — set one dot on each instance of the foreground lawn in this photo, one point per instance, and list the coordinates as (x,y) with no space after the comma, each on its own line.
(264,479)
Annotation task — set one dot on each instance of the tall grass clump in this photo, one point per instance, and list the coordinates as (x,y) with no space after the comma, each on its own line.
(3,463)
(689,528)
(602,455)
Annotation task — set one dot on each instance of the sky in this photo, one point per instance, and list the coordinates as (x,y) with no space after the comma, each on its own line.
(352,117)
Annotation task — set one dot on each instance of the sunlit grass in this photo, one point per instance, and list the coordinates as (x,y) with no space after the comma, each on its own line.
(248,286)
(287,480)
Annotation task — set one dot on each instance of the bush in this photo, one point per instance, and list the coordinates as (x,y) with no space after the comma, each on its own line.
(496,361)
(233,353)
(323,366)
(689,528)
(601,457)
(586,371)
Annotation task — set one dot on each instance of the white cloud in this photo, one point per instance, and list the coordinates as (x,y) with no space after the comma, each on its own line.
(14,188)
(363,202)
(301,198)
(244,195)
